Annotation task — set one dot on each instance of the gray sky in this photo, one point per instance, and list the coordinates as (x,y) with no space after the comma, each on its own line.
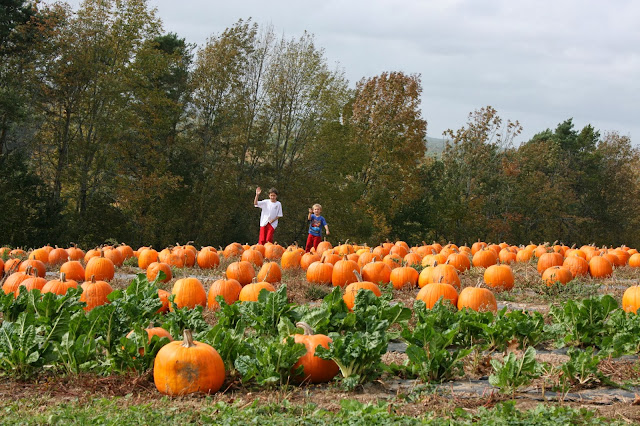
(539,62)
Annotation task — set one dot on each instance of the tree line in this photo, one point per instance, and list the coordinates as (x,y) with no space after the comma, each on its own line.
(113,130)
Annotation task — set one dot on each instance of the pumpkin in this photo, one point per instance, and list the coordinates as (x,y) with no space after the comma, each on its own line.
(252,256)
(73,270)
(291,258)
(147,257)
(547,260)
(153,331)
(600,267)
(186,367)
(273,251)
(433,292)
(37,267)
(578,266)
(155,268)
(40,254)
(404,276)
(114,256)
(484,258)
(163,295)
(270,272)
(94,293)
(183,256)
(425,275)
(31,283)
(12,265)
(631,299)
(412,259)
(477,298)
(232,250)
(460,261)
(507,255)
(14,281)
(557,274)
(314,369)
(524,255)
(367,257)
(207,259)
(250,292)
(330,257)
(393,260)
(228,289)
(100,267)
(189,292)
(241,271)
(499,277)
(307,259)
(477,246)
(126,251)
(344,273)
(444,273)
(59,286)
(320,272)
(323,246)
(352,290)
(75,253)
(634,260)
(57,256)
(376,272)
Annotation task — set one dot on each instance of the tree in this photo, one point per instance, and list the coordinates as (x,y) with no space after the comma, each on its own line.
(388,128)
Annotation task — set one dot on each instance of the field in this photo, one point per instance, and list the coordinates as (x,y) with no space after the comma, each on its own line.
(560,353)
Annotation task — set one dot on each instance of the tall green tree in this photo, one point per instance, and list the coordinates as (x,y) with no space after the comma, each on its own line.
(389,129)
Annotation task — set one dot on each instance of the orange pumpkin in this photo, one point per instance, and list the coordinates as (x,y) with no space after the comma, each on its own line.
(208,259)
(57,256)
(352,290)
(189,292)
(433,292)
(252,256)
(557,274)
(163,295)
(94,293)
(376,272)
(578,266)
(631,299)
(344,272)
(38,268)
(477,298)
(484,258)
(320,272)
(547,260)
(186,367)
(444,273)
(228,289)
(291,258)
(100,267)
(314,369)
(270,272)
(307,259)
(404,276)
(147,257)
(600,267)
(241,271)
(250,292)
(155,268)
(73,269)
(499,277)
(59,286)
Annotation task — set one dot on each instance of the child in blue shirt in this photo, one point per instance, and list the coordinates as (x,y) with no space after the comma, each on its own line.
(315,227)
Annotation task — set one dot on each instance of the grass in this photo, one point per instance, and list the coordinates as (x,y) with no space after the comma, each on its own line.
(128,411)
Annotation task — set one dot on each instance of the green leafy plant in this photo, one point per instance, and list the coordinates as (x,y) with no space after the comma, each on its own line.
(513,372)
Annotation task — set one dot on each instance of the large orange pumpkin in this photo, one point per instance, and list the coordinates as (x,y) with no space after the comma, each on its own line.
(208,259)
(59,286)
(73,269)
(484,258)
(241,271)
(344,272)
(433,292)
(155,268)
(94,293)
(250,292)
(376,272)
(600,267)
(228,289)
(320,272)
(315,369)
(270,272)
(189,292)
(478,299)
(631,299)
(499,277)
(186,367)
(147,257)
(559,274)
(352,290)
(404,276)
(100,267)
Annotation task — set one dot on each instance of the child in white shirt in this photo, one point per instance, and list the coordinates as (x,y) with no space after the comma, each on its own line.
(271,212)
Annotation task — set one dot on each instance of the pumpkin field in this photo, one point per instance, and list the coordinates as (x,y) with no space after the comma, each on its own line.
(392,333)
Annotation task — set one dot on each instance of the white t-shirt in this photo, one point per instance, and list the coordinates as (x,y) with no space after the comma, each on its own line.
(270,211)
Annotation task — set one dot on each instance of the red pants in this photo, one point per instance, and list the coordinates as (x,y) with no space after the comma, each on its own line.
(312,241)
(266,234)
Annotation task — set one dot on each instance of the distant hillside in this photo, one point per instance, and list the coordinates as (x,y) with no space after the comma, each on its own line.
(435,146)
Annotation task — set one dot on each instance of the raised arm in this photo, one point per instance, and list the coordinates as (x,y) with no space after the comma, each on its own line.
(255,200)
(309,216)
(326,228)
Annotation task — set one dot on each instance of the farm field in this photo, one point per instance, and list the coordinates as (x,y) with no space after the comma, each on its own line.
(544,353)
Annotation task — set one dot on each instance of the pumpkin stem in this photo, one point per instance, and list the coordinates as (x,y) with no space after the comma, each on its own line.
(188,339)
(63,277)
(308,331)
(357,274)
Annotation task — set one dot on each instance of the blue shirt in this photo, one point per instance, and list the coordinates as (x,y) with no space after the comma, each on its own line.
(315,227)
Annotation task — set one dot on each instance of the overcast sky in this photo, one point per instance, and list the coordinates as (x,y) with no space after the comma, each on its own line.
(539,62)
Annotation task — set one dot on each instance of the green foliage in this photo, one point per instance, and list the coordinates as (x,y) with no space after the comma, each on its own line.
(514,372)
(582,366)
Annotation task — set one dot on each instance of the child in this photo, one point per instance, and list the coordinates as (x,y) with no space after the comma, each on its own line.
(315,227)
(271,212)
